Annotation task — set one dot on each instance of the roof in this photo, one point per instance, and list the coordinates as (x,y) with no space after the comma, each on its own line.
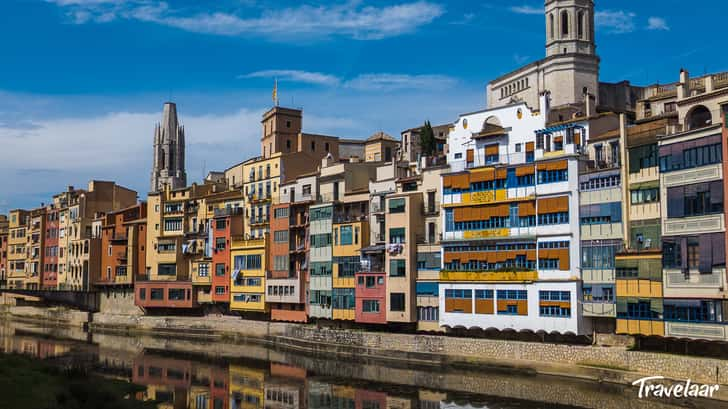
(377,136)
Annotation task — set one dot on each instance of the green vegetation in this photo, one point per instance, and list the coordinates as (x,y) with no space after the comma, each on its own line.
(31,384)
(428,144)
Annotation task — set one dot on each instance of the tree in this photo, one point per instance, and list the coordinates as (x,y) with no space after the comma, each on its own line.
(428,144)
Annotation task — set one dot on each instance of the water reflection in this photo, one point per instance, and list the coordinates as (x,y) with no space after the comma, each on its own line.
(250,376)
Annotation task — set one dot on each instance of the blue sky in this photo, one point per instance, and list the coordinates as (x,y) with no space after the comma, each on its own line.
(82,81)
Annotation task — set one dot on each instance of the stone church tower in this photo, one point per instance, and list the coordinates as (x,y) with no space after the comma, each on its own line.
(168,167)
(568,72)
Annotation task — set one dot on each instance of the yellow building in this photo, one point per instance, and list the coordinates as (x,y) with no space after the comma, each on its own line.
(247,283)
(349,238)
(17,241)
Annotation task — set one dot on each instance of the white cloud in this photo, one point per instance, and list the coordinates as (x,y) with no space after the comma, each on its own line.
(615,21)
(526,9)
(362,82)
(657,23)
(295,76)
(349,19)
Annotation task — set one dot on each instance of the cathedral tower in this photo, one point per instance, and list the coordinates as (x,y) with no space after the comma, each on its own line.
(168,167)
(569,27)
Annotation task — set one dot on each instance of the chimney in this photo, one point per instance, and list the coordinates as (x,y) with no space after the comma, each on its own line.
(683,88)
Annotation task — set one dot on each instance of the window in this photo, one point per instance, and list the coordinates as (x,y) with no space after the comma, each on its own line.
(348,266)
(343,298)
(483,294)
(346,235)
(677,156)
(552,176)
(280,236)
(548,264)
(459,294)
(428,314)
(369,306)
(220,269)
(580,24)
(176,294)
(156,294)
(203,270)
(553,218)
(142,293)
(396,302)
(600,182)
(173,224)
(321,213)
(321,240)
(306,190)
(554,311)
(397,235)
(512,294)
(397,268)
(396,205)
(551,25)
(281,213)
(167,269)
(280,263)
(564,23)
(459,155)
(248,262)
(641,196)
(220,243)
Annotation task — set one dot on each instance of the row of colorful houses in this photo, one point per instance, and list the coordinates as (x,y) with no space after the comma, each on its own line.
(520,220)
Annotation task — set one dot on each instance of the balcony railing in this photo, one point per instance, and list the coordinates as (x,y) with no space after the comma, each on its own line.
(431,209)
(228,211)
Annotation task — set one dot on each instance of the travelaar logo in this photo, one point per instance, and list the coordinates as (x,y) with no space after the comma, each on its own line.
(677,390)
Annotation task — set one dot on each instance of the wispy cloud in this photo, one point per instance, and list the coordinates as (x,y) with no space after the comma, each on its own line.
(350,19)
(526,9)
(362,82)
(657,23)
(615,21)
(520,59)
(295,76)
(389,82)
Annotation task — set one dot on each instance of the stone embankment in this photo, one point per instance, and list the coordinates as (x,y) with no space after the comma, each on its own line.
(615,364)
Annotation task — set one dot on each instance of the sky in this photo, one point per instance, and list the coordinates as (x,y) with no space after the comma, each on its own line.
(82,82)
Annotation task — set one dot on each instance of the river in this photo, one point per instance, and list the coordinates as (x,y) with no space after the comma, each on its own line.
(184,373)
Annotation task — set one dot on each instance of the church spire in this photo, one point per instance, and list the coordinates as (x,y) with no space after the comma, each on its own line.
(168,167)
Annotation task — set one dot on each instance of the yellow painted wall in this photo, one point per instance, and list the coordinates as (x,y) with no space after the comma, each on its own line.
(248,247)
(488,276)
(640,327)
(639,288)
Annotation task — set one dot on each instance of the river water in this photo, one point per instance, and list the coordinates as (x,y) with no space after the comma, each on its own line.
(183,373)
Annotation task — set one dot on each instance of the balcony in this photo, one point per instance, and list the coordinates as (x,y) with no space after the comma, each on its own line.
(599,309)
(121,256)
(694,175)
(601,231)
(260,220)
(694,284)
(697,330)
(260,198)
(228,211)
(694,225)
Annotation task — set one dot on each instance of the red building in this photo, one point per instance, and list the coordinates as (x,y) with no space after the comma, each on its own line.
(371,287)
(288,261)
(226,222)
(49,277)
(123,240)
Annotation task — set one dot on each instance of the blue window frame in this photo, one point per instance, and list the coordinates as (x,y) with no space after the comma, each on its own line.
(512,294)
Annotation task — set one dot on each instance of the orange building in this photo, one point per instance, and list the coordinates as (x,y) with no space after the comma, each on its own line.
(123,240)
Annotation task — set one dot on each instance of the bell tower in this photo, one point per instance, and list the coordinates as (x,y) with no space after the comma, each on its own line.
(569,27)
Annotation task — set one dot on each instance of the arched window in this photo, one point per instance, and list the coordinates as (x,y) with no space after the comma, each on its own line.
(565,23)
(699,117)
(580,24)
(551,25)
(267,170)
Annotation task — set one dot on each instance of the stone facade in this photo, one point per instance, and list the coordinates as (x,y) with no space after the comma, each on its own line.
(168,167)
